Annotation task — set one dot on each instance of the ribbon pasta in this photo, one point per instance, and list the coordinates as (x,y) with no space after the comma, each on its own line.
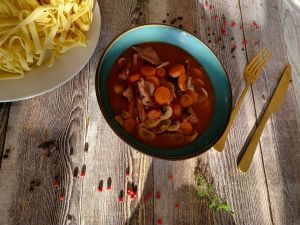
(29,29)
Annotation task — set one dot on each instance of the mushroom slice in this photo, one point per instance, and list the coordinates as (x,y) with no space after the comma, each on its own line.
(145,134)
(148,54)
(152,123)
(173,137)
(168,113)
(174,126)
(163,126)
(191,137)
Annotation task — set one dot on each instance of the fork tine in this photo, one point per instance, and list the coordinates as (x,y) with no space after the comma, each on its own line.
(259,59)
(255,58)
(259,68)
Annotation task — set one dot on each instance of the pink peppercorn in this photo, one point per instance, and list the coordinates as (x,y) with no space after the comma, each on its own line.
(159,221)
(233,24)
(158,195)
(100,189)
(177,205)
(56,183)
(61,197)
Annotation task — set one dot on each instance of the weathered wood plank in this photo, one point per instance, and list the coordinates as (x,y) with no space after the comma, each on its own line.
(108,156)
(280,140)
(27,194)
(247,195)
(4,112)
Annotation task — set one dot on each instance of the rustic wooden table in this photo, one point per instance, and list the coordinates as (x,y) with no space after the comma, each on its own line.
(45,136)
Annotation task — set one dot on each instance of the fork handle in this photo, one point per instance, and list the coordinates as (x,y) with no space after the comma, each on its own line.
(247,157)
(219,146)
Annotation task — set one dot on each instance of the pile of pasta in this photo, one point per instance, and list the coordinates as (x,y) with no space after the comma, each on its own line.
(34,30)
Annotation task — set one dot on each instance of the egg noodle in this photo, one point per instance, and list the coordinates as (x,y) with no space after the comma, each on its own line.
(29,29)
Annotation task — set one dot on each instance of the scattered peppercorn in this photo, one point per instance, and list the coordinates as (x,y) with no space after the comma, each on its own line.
(209,41)
(109,181)
(140,13)
(83,170)
(243,49)
(159,221)
(232,38)
(180,26)
(121,196)
(177,205)
(164,21)
(86,147)
(76,170)
(180,17)
(168,14)
(62,197)
(5,156)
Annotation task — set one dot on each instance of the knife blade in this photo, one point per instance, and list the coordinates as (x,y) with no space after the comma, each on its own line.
(280,91)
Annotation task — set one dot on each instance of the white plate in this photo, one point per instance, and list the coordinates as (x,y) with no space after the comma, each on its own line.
(43,79)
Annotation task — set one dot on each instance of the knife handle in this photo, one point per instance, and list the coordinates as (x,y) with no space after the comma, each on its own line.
(247,157)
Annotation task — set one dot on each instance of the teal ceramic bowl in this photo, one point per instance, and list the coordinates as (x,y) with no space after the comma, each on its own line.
(196,48)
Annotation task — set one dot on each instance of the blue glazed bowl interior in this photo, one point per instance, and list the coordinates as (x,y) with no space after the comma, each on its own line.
(196,48)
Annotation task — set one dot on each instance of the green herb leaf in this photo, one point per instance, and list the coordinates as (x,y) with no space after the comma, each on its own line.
(205,190)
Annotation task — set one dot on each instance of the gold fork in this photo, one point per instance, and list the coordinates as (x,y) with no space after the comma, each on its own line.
(251,72)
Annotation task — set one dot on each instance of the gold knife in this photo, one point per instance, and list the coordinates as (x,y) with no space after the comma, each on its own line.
(272,107)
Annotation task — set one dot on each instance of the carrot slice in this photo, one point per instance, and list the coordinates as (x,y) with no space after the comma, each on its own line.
(177,110)
(154,114)
(186,127)
(177,70)
(182,82)
(148,71)
(186,101)
(118,89)
(161,72)
(134,78)
(198,72)
(162,95)
(129,125)
(153,80)
(193,95)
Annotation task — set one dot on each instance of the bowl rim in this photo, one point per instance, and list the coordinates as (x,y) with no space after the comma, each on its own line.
(106,116)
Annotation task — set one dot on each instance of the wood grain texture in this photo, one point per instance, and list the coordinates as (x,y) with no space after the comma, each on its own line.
(280,139)
(108,156)
(4,113)
(27,194)
(56,124)
(219,168)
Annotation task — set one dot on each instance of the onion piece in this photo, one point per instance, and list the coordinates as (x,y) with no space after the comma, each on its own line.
(163,65)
